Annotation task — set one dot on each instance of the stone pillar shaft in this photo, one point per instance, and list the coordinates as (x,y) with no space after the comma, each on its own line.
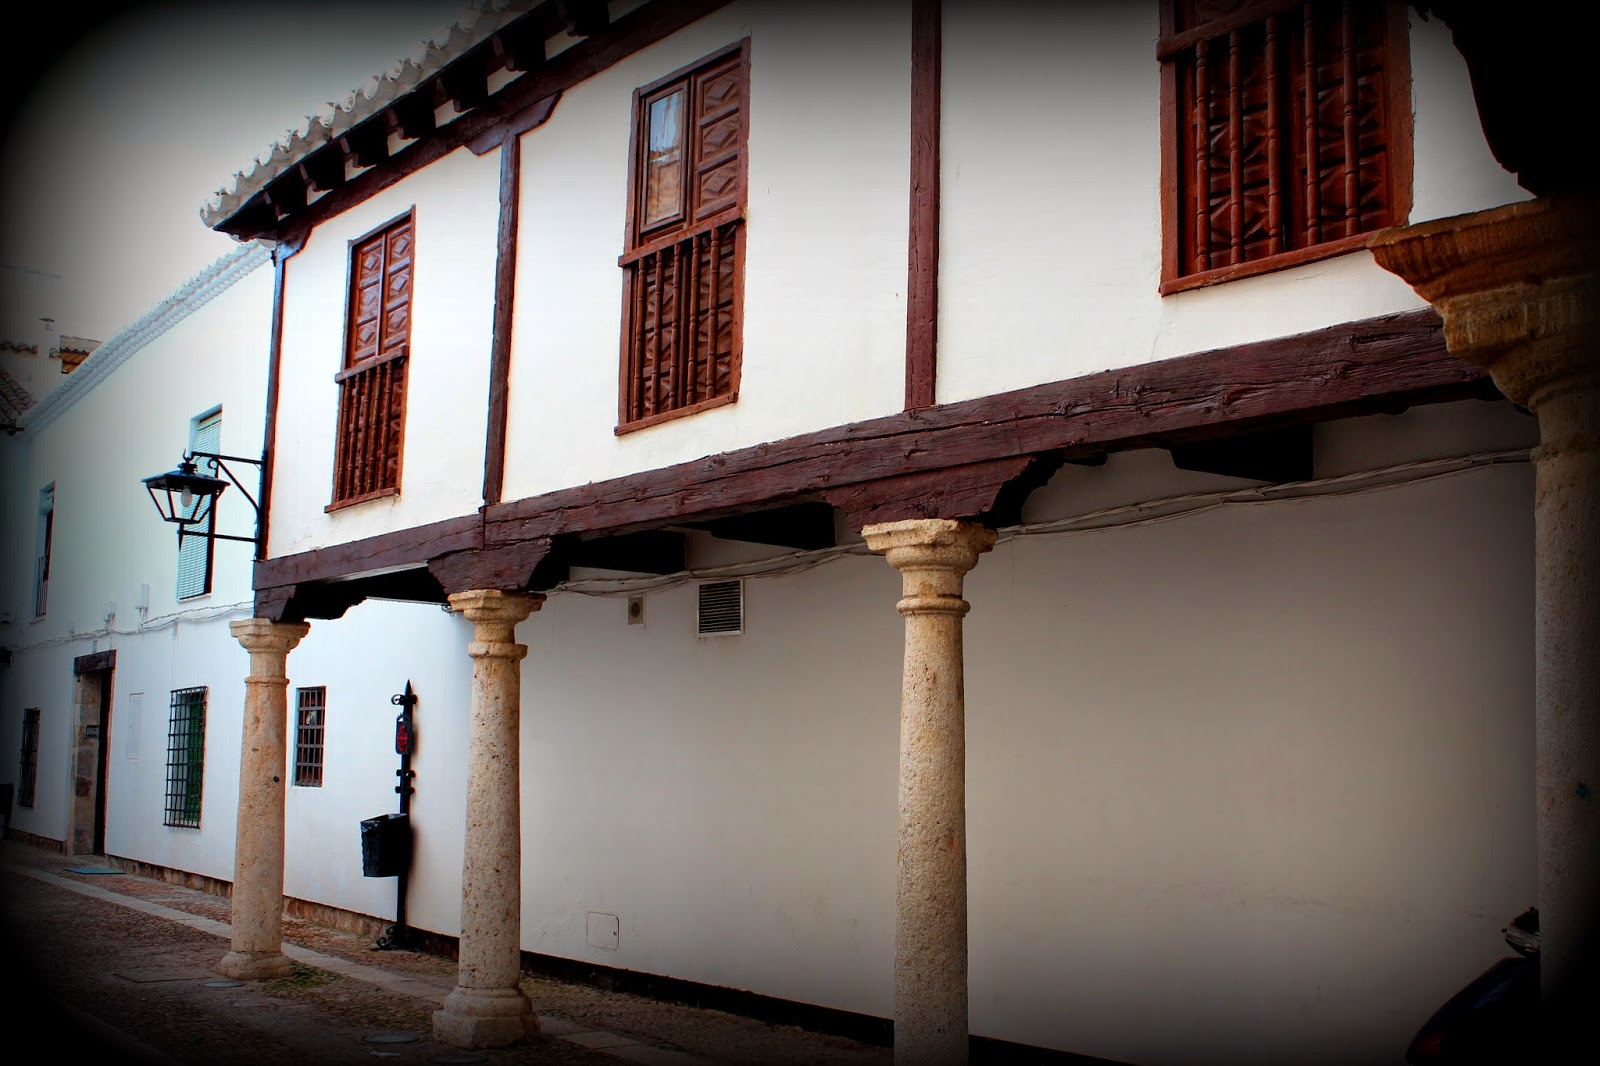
(488,1008)
(257,906)
(1518,288)
(930,971)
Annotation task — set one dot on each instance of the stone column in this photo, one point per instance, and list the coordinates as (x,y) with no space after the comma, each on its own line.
(488,1008)
(258,849)
(1517,287)
(930,935)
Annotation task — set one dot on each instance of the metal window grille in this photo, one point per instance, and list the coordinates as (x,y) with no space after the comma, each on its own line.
(186,752)
(311,721)
(30,757)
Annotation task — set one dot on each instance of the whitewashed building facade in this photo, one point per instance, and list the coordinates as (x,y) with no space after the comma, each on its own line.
(631,332)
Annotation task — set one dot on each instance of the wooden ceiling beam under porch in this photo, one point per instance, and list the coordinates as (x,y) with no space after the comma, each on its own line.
(1243,410)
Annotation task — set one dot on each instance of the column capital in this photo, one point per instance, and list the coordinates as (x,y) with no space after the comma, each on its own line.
(930,543)
(265,635)
(1517,288)
(490,605)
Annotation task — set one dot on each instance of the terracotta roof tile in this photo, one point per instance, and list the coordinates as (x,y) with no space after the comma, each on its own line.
(14,400)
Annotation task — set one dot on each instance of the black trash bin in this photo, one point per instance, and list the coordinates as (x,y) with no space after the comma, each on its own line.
(385,845)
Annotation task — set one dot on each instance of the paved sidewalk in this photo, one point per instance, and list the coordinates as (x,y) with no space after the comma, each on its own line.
(119,968)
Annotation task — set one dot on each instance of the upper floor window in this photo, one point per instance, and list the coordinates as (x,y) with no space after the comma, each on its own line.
(1286,132)
(195,546)
(372,385)
(44,535)
(683,271)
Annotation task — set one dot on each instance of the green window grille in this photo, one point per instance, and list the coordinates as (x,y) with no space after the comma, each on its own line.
(186,756)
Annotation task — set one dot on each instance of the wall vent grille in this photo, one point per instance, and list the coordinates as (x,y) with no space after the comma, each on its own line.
(720,610)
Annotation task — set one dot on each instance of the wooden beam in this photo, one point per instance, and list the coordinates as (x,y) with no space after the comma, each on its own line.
(522,44)
(1309,377)
(922,284)
(505,568)
(1278,456)
(505,285)
(650,552)
(323,170)
(802,526)
(402,548)
(634,31)
(966,459)
(585,18)
(412,115)
(466,84)
(367,144)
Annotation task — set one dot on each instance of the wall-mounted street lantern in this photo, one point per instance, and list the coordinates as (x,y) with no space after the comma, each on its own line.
(188,498)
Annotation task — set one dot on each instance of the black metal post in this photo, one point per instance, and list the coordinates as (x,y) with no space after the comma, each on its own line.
(398,935)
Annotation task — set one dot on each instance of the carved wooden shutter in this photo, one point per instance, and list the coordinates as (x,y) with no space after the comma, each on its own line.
(1280,125)
(372,385)
(683,278)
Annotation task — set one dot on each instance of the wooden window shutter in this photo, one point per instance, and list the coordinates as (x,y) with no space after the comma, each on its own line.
(684,275)
(1286,132)
(372,385)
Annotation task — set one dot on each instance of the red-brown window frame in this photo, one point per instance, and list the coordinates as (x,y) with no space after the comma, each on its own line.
(640,244)
(345,371)
(1398,117)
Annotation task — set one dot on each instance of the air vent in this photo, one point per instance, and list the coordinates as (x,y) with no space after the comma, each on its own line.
(720,611)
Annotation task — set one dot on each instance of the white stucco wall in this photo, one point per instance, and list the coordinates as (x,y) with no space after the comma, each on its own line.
(1050,257)
(824,297)
(456,201)
(107,543)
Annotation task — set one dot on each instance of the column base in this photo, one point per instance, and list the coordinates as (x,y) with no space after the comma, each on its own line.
(482,1017)
(255,965)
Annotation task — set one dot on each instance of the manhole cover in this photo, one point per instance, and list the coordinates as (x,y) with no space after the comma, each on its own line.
(459,1059)
(391,1038)
(222,982)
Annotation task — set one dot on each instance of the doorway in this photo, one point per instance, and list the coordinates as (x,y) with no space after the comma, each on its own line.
(91,749)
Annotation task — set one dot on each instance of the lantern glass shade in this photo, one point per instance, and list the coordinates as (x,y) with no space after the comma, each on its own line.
(184,495)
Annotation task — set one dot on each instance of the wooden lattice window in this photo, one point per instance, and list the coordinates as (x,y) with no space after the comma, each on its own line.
(372,385)
(29,776)
(186,757)
(1286,132)
(310,723)
(683,271)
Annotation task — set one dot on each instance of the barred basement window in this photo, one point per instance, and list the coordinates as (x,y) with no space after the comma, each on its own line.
(1286,132)
(311,720)
(186,754)
(683,272)
(27,779)
(372,385)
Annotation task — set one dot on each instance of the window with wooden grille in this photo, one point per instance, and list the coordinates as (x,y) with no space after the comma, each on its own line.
(186,757)
(683,271)
(372,385)
(1286,132)
(29,776)
(310,720)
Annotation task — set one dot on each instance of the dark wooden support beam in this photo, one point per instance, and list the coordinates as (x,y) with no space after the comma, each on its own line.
(922,284)
(650,552)
(972,459)
(505,281)
(1278,455)
(412,116)
(1013,495)
(466,84)
(530,117)
(368,143)
(286,195)
(506,568)
(802,526)
(969,491)
(1087,460)
(323,170)
(585,18)
(387,551)
(521,44)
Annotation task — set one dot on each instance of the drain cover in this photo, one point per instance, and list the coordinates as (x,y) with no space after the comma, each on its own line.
(391,1038)
(222,982)
(92,870)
